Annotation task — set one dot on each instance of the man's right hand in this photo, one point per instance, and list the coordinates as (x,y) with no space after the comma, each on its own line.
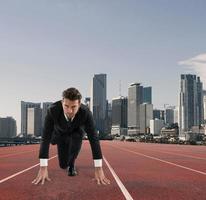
(42,176)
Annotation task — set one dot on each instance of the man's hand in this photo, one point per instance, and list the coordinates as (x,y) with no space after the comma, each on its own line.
(100,177)
(42,176)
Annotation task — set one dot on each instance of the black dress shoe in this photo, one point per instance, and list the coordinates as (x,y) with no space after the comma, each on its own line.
(72,171)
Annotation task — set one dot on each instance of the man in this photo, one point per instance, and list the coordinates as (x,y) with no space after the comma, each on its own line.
(65,124)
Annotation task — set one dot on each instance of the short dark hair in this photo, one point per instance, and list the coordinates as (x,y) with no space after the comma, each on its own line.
(72,94)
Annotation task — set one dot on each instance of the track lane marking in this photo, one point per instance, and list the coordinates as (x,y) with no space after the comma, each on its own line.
(189,156)
(18,173)
(174,153)
(119,183)
(164,161)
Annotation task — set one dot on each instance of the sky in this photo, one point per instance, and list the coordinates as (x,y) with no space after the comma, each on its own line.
(47,46)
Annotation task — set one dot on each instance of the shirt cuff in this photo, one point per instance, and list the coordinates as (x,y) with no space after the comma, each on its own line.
(98,163)
(43,162)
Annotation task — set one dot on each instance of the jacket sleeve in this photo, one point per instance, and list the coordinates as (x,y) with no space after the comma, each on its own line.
(46,137)
(93,137)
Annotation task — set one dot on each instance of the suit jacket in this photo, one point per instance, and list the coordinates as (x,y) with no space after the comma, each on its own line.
(56,128)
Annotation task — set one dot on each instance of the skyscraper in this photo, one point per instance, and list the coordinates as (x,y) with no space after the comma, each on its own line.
(34,121)
(24,115)
(169,115)
(146,114)
(158,114)
(147,95)
(200,104)
(135,98)
(108,121)
(204,102)
(190,102)
(176,114)
(99,101)
(119,115)
(7,127)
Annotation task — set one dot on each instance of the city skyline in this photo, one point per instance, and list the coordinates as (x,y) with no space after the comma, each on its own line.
(50,46)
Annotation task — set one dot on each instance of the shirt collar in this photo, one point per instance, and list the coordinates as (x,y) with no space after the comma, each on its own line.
(67,117)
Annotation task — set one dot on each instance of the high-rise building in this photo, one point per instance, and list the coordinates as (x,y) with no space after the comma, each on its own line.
(204,102)
(146,114)
(45,107)
(119,116)
(7,127)
(176,114)
(98,103)
(200,104)
(135,98)
(24,115)
(34,121)
(169,115)
(158,114)
(108,121)
(156,125)
(190,102)
(147,95)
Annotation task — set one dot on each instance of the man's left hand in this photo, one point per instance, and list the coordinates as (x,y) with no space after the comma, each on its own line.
(100,177)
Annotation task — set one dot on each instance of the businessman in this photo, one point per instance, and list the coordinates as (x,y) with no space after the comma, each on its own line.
(65,124)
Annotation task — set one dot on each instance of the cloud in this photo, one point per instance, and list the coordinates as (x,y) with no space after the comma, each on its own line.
(196,65)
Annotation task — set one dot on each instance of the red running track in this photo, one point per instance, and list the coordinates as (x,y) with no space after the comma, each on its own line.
(139,171)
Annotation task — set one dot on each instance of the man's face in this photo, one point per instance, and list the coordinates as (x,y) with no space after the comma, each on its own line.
(70,107)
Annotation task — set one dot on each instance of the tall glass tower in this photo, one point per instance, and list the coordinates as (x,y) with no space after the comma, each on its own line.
(204,103)
(119,115)
(135,98)
(99,101)
(190,102)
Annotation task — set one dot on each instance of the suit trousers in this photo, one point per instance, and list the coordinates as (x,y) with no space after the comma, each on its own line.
(69,149)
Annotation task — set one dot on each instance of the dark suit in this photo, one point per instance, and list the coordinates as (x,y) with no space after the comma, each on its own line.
(68,135)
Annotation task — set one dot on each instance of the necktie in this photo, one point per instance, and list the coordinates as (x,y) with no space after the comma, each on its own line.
(69,122)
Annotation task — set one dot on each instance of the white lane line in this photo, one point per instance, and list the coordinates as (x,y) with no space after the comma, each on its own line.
(174,153)
(184,155)
(119,183)
(18,173)
(164,161)
(13,154)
